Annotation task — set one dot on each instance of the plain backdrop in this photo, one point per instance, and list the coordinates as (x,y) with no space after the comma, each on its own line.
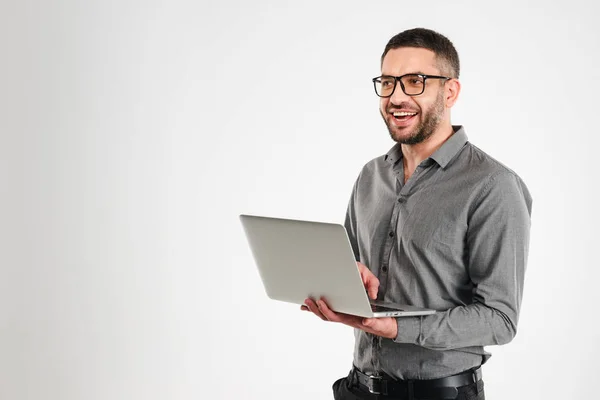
(133,134)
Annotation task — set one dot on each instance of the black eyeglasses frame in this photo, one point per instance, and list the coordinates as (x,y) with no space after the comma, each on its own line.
(399,79)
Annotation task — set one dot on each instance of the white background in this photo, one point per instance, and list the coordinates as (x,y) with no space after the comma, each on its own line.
(133,133)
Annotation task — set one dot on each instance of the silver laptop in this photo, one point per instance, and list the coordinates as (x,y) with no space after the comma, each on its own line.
(301,259)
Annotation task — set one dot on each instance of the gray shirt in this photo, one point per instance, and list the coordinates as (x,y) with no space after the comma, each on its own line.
(454,238)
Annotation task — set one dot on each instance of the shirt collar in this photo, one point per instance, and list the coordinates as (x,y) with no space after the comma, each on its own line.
(443,155)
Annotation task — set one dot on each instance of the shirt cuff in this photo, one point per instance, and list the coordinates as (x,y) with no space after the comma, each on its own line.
(409,330)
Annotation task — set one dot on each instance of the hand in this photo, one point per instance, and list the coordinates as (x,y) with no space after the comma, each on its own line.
(369,280)
(386,327)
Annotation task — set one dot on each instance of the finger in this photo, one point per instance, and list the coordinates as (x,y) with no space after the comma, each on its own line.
(372,286)
(372,289)
(304,308)
(333,316)
(369,276)
(327,312)
(312,306)
(370,281)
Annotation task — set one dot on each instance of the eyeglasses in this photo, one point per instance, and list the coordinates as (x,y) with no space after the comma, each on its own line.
(411,84)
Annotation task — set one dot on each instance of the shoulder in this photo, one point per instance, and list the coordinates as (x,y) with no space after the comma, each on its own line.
(482,165)
(480,159)
(492,176)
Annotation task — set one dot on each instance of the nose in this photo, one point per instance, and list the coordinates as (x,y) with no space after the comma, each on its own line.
(398,96)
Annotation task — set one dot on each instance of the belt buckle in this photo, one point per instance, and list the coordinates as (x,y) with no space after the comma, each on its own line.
(377,385)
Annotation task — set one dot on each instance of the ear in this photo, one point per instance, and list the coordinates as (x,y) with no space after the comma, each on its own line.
(451,92)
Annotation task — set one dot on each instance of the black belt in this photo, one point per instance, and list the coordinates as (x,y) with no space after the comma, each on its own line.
(442,388)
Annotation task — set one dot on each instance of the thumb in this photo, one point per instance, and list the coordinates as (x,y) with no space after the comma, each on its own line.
(373,291)
(372,285)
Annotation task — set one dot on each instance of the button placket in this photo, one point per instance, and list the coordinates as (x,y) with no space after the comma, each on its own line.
(389,243)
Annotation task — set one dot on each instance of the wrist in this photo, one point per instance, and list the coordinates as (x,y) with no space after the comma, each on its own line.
(394,331)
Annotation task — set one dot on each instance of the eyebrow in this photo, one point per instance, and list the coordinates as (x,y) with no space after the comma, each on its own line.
(414,73)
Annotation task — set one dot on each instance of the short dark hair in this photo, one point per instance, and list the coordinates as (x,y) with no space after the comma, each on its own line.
(443,48)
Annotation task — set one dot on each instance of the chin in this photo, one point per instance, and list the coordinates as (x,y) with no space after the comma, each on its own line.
(401,136)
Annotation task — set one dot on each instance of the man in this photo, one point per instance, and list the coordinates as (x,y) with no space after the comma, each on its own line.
(436,223)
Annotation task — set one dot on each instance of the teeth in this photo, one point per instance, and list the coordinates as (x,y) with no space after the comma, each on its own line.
(403,114)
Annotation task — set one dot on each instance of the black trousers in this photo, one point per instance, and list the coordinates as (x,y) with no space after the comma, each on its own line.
(342,390)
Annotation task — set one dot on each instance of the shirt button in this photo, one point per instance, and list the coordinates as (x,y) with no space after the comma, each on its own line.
(391,234)
(384,268)
(401,199)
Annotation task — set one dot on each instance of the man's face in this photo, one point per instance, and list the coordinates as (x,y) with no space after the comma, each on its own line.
(429,106)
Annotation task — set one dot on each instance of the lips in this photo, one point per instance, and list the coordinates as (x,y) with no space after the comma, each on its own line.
(402,117)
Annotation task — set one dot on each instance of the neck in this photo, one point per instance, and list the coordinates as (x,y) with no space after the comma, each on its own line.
(414,154)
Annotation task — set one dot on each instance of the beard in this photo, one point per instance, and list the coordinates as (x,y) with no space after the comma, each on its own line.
(429,122)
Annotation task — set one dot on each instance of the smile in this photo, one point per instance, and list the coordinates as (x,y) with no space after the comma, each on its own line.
(402,118)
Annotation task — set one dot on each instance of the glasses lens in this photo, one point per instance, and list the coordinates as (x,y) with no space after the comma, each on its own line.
(384,85)
(413,84)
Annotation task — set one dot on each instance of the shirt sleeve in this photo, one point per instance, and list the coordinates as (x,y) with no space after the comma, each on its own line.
(351,223)
(497,242)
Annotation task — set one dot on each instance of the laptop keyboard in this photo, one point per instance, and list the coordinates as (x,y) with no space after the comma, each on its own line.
(375,308)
